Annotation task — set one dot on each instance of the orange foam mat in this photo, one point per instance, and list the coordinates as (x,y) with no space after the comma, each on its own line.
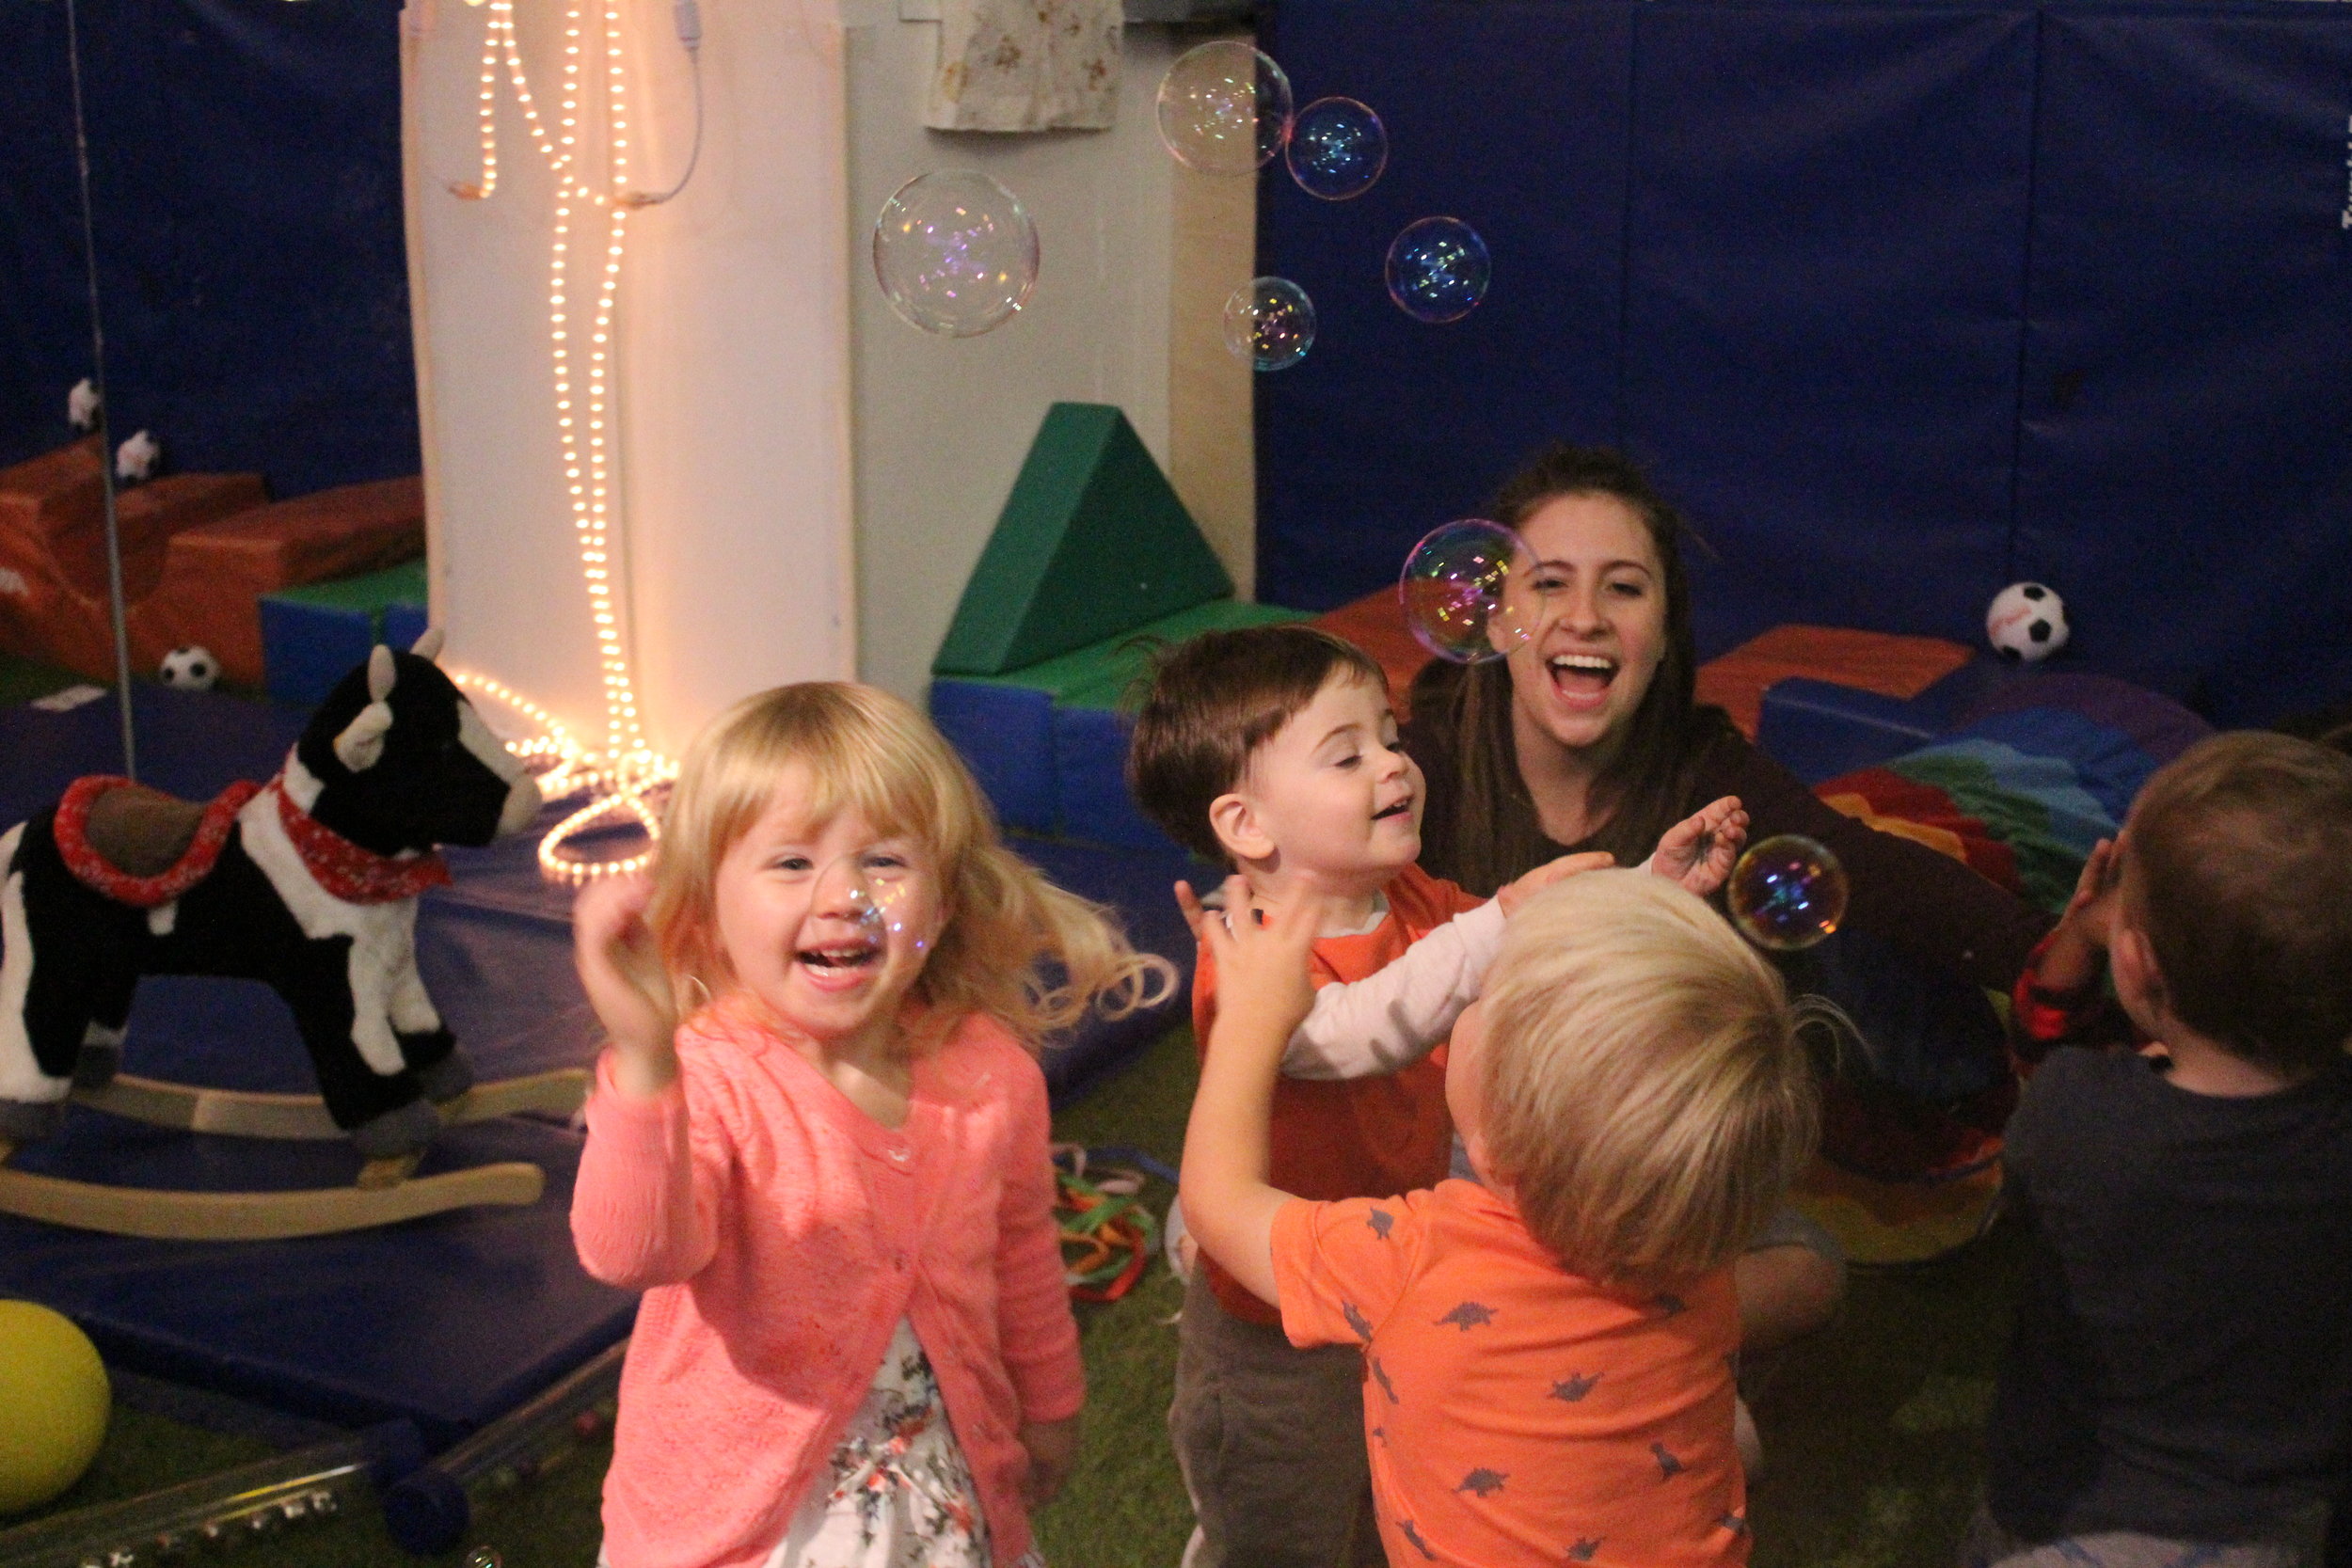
(1880,662)
(213,576)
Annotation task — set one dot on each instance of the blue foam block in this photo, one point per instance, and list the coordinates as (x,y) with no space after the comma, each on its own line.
(404,623)
(1091,781)
(1005,733)
(306,648)
(1139,885)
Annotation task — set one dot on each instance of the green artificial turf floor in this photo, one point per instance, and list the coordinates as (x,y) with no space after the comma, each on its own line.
(1871,1429)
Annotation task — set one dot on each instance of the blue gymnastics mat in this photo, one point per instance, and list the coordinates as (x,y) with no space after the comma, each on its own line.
(447,1321)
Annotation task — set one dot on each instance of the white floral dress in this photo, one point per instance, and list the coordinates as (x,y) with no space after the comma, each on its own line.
(900,1493)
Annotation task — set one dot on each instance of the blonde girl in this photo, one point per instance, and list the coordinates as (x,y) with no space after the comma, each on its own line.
(831,1179)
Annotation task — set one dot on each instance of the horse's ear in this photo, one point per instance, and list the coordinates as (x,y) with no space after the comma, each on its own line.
(382,672)
(429,645)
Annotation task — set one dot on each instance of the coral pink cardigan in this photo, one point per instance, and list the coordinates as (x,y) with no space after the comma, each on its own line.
(780,1233)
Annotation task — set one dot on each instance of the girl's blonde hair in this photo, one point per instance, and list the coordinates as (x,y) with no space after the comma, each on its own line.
(1647,1090)
(865,750)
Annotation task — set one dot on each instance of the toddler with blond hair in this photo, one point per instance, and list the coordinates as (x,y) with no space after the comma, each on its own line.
(1551,1348)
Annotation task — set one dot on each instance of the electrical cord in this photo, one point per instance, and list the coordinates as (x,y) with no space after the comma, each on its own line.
(688,20)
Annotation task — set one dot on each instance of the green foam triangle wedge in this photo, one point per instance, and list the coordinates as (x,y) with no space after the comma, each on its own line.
(1092,541)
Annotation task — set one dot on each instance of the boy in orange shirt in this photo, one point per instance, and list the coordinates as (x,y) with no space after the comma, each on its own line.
(1275,751)
(1550,1354)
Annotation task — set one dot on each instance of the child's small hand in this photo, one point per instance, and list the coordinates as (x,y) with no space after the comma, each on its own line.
(1261,960)
(1700,851)
(1519,893)
(2078,948)
(1052,1448)
(613,951)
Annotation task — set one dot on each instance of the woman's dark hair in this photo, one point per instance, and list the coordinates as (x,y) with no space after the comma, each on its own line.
(1493,833)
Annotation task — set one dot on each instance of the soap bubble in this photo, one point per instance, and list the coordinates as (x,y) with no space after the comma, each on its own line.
(1787,892)
(1451,590)
(878,891)
(955,252)
(1225,108)
(1338,149)
(1271,322)
(1437,270)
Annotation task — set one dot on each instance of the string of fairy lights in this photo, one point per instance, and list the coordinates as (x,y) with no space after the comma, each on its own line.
(618,776)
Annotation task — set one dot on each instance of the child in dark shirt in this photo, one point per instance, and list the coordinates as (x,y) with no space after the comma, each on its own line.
(2180,1384)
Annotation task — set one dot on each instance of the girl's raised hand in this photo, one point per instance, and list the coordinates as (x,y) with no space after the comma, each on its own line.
(1700,851)
(1261,957)
(613,950)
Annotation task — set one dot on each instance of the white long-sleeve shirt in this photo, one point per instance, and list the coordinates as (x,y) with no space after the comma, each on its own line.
(1364,1028)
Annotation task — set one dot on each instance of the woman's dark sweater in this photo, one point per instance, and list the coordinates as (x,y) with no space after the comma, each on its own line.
(1925,905)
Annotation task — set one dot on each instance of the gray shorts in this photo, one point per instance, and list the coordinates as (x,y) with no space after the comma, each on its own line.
(1270,1439)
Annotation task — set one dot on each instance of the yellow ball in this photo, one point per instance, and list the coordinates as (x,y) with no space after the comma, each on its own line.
(53,1402)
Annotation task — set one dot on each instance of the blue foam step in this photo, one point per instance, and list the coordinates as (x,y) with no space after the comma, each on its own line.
(1092,803)
(1005,733)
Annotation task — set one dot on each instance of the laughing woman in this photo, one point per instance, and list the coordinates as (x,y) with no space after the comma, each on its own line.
(1589,737)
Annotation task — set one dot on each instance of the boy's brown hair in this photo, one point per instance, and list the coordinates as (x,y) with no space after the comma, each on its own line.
(2236,869)
(1646,1091)
(1212,701)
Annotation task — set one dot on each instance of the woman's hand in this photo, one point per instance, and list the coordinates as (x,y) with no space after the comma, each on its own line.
(1052,1448)
(1700,851)
(1262,963)
(613,950)
(1519,893)
(2078,948)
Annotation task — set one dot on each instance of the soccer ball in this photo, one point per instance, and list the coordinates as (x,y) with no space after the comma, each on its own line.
(190,669)
(2026,622)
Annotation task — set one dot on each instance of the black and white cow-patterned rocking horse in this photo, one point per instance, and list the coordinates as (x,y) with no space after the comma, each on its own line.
(309,882)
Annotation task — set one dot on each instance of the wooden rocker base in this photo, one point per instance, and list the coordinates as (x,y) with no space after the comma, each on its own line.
(245,1115)
(161,1215)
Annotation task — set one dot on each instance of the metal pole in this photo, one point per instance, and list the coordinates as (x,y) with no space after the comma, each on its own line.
(98,383)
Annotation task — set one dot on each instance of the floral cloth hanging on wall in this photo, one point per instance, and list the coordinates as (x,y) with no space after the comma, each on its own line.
(1026,65)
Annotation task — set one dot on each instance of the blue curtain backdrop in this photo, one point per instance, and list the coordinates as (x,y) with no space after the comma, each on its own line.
(245,189)
(1902,301)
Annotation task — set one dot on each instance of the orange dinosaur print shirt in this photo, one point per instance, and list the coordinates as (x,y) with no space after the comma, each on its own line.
(1514,1412)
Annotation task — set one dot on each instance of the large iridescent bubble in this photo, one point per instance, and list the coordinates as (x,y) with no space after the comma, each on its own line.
(1787,892)
(1269,322)
(1338,149)
(1225,108)
(955,252)
(1451,590)
(1437,270)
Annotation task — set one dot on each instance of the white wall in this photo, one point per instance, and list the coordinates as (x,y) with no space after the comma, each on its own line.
(942,424)
(732,342)
(808,480)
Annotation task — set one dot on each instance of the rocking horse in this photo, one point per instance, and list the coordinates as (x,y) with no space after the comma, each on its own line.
(309,883)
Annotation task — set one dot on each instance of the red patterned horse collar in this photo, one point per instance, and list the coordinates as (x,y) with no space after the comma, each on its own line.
(349,872)
(345,870)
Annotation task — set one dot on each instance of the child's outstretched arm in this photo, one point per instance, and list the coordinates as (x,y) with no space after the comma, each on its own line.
(1262,994)
(1700,851)
(1397,1015)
